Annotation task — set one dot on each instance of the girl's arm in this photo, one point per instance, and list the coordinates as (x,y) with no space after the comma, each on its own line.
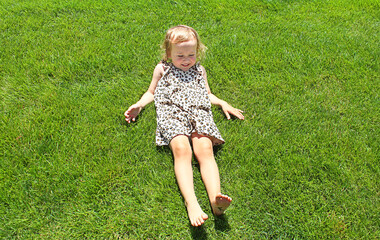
(227,108)
(147,98)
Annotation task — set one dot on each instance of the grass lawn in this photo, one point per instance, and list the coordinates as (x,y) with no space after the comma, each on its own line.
(303,165)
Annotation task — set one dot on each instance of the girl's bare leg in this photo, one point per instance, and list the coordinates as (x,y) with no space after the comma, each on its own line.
(203,151)
(181,149)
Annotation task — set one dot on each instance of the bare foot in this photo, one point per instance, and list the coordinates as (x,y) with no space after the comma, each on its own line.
(196,216)
(222,202)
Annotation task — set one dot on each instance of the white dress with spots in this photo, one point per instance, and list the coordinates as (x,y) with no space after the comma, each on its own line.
(183,105)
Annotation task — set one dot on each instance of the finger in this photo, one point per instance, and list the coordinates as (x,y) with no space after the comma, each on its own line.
(129,110)
(227,115)
(239,115)
(127,113)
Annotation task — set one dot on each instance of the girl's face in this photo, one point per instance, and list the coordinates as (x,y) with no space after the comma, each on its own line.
(184,54)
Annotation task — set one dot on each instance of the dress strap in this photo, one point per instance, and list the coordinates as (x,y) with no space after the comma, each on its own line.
(198,68)
(166,65)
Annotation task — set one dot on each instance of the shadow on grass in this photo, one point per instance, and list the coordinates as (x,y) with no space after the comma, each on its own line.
(217,148)
(164,149)
(198,232)
(221,223)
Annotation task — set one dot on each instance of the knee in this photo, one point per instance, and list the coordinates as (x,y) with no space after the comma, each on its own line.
(203,151)
(181,150)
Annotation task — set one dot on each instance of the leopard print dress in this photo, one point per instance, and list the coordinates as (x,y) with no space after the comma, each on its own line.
(183,105)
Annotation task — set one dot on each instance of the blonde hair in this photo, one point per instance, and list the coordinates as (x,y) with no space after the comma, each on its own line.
(179,34)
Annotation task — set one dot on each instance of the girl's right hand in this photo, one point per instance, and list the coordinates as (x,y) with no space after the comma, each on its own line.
(132,113)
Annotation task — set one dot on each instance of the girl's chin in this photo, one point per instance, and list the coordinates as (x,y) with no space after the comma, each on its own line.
(186,67)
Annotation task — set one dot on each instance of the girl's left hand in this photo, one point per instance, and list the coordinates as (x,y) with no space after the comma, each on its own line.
(228,109)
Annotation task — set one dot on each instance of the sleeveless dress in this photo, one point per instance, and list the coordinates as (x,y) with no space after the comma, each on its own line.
(183,105)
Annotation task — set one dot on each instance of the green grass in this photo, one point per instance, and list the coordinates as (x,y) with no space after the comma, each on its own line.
(303,165)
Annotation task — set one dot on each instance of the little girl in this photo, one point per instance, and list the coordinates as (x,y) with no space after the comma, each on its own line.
(183,101)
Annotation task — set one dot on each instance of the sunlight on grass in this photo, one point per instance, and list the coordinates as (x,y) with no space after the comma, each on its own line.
(303,165)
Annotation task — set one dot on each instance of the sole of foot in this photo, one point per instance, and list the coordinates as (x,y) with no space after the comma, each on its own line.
(222,202)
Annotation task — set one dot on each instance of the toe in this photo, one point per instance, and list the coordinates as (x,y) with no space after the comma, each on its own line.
(194,223)
(198,222)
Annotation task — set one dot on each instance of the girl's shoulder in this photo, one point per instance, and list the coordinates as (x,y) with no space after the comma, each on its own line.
(163,66)
(159,71)
(160,68)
